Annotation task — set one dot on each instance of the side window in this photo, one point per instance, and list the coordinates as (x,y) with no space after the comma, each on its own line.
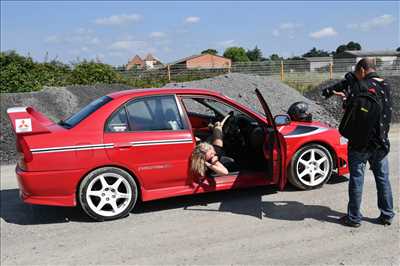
(193,106)
(118,122)
(154,113)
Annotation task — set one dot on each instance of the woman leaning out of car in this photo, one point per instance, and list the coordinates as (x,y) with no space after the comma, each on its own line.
(208,159)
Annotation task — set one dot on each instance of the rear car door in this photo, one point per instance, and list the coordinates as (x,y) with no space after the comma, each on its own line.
(275,148)
(152,138)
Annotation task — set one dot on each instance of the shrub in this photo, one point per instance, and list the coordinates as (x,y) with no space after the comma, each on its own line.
(17,73)
(89,72)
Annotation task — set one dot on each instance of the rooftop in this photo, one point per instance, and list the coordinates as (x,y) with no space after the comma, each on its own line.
(373,53)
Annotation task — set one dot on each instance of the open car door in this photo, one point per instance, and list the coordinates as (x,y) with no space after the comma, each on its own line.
(275,146)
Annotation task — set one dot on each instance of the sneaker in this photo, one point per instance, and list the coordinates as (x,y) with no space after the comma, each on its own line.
(346,221)
(384,221)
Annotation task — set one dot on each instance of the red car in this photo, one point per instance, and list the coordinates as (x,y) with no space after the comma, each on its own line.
(135,145)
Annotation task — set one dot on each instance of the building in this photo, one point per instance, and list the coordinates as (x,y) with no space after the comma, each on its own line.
(148,62)
(203,61)
(385,58)
(135,62)
(317,63)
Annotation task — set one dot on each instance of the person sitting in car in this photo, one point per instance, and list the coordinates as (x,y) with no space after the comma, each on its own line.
(209,159)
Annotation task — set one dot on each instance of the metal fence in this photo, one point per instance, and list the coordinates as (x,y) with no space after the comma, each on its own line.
(302,71)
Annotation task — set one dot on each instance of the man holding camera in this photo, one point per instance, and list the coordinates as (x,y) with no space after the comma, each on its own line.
(371,145)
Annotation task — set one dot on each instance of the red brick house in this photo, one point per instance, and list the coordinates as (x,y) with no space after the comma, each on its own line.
(148,62)
(203,61)
(136,61)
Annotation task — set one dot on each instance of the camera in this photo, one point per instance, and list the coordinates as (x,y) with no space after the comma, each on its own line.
(344,85)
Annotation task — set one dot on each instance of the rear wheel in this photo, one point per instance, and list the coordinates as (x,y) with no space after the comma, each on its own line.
(311,167)
(108,193)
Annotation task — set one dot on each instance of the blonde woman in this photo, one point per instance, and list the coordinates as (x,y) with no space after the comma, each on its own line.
(207,157)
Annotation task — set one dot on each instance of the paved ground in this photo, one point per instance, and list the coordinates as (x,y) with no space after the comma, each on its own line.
(252,226)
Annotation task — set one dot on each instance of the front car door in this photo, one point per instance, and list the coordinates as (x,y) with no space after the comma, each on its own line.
(151,138)
(276,146)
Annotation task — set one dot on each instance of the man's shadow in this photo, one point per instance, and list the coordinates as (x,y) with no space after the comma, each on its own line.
(253,205)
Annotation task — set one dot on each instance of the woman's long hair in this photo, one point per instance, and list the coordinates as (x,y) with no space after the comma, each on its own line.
(198,159)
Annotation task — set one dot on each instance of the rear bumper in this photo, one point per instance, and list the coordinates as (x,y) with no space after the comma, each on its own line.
(55,188)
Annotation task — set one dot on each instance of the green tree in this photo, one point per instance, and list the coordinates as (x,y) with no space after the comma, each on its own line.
(275,57)
(255,54)
(398,49)
(236,54)
(210,51)
(351,46)
(314,52)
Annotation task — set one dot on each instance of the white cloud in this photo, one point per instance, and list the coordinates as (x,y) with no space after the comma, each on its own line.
(377,22)
(157,34)
(226,43)
(322,33)
(289,26)
(53,39)
(118,19)
(83,31)
(286,28)
(128,45)
(192,20)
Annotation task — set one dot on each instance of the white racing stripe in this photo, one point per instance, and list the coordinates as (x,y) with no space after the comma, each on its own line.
(72,148)
(317,131)
(108,146)
(161,142)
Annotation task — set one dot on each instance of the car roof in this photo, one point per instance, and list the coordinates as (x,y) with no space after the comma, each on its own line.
(157,91)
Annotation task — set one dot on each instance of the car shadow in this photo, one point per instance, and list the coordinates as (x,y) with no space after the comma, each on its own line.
(13,210)
(244,201)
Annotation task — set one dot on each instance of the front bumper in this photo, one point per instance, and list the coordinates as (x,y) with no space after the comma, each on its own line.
(341,160)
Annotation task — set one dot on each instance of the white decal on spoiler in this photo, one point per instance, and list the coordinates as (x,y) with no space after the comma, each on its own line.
(23,125)
(16,110)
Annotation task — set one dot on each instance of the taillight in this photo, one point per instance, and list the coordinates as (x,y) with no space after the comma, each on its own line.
(24,155)
(21,160)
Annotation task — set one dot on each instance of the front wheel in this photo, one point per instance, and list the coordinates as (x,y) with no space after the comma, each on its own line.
(311,167)
(108,193)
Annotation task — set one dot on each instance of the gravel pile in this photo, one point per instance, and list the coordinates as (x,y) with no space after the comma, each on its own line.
(334,104)
(56,103)
(240,87)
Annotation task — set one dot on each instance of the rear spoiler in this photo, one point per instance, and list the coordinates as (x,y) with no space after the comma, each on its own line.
(27,121)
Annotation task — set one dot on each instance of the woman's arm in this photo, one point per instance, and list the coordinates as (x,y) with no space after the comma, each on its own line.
(217,167)
(217,132)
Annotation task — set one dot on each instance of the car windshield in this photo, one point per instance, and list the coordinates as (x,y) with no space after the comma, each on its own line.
(85,112)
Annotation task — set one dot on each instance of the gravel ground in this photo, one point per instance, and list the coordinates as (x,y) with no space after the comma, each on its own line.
(334,104)
(255,226)
(56,103)
(240,87)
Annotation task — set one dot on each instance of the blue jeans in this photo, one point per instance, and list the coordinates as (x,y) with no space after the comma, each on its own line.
(380,168)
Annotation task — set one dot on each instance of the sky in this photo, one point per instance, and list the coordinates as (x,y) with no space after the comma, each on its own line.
(114,32)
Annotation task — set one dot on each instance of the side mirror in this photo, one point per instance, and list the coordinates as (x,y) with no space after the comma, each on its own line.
(281,120)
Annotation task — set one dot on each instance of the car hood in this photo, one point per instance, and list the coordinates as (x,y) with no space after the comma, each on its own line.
(300,129)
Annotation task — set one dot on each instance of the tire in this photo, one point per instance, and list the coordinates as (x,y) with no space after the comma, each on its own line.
(311,167)
(108,193)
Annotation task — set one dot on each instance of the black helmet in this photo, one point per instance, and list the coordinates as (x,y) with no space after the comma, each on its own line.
(298,112)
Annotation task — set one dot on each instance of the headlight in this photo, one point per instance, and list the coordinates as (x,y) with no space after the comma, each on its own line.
(343,140)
